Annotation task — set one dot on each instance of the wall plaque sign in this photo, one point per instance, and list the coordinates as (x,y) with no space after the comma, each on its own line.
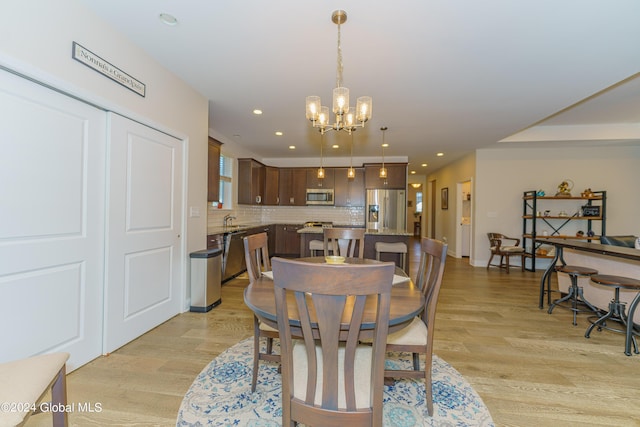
(93,61)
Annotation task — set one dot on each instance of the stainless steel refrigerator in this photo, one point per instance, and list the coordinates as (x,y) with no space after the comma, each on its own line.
(386,210)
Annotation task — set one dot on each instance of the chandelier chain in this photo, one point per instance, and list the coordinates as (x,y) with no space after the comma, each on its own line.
(339,66)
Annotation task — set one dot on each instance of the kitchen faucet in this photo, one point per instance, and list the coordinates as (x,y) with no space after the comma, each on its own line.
(228,219)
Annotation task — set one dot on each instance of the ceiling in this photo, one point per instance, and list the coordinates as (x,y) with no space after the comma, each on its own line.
(446,76)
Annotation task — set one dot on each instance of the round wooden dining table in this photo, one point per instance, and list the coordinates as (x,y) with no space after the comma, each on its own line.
(407,300)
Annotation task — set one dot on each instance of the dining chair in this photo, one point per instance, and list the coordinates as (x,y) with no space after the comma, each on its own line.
(417,337)
(343,242)
(256,255)
(505,251)
(25,382)
(328,378)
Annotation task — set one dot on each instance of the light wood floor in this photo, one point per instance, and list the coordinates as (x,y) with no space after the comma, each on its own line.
(530,368)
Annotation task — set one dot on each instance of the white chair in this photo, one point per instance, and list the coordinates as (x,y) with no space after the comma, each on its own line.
(394,248)
(315,246)
(24,383)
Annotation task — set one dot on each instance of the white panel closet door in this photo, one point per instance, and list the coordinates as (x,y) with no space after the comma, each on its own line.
(144,217)
(52,193)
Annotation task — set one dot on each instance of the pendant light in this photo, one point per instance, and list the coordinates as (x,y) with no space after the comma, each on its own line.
(351,173)
(383,170)
(346,118)
(321,169)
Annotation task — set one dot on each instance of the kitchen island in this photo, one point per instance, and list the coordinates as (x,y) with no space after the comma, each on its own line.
(371,237)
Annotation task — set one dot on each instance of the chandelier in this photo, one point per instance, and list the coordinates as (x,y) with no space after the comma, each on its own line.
(346,118)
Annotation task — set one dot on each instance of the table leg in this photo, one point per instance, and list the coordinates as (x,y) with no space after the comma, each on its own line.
(629,336)
(546,276)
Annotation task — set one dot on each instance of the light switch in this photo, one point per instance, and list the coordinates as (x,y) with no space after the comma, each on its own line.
(194,212)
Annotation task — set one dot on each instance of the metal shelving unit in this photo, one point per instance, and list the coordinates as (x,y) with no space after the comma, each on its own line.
(593,212)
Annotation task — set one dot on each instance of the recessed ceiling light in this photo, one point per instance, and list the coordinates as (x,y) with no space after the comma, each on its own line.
(278,133)
(413,172)
(292,147)
(424,165)
(257,112)
(335,146)
(385,145)
(440,154)
(168,19)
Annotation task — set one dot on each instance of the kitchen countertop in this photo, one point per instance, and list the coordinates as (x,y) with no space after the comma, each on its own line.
(373,232)
(240,227)
(312,230)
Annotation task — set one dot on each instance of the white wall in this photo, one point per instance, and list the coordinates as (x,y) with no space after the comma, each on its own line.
(448,220)
(35,40)
(502,175)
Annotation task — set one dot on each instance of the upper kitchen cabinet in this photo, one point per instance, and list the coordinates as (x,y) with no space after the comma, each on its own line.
(396,176)
(271,186)
(214,171)
(293,186)
(349,192)
(251,179)
(314,182)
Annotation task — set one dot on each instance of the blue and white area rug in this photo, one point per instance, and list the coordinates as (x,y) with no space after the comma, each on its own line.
(221,396)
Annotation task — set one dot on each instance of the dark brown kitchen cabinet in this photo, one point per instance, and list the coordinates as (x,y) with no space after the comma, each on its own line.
(251,178)
(213,184)
(293,186)
(288,240)
(271,190)
(396,176)
(349,192)
(314,182)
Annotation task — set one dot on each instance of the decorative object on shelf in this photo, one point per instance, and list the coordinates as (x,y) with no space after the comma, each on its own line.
(637,243)
(579,233)
(541,251)
(547,212)
(540,193)
(346,118)
(590,210)
(444,196)
(587,193)
(563,213)
(564,189)
(591,233)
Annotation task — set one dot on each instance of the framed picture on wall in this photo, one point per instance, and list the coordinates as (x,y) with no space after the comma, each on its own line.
(445,198)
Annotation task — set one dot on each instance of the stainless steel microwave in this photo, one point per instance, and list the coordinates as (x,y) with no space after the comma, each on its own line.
(320,196)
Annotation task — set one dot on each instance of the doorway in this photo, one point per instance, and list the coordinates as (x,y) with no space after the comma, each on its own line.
(464,209)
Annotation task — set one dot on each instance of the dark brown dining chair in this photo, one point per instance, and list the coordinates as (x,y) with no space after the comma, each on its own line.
(328,378)
(256,255)
(344,241)
(417,338)
(504,251)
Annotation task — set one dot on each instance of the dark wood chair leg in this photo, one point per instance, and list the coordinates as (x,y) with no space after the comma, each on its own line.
(59,398)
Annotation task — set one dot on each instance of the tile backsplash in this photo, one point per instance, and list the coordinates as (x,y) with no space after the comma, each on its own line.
(246,214)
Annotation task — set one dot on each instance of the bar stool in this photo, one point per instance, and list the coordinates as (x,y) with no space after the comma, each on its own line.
(395,248)
(616,309)
(575,293)
(315,246)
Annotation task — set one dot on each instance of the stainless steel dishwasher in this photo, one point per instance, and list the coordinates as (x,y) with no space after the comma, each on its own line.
(233,255)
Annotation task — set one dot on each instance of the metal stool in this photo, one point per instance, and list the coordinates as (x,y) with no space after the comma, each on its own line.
(575,293)
(395,248)
(315,246)
(616,309)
